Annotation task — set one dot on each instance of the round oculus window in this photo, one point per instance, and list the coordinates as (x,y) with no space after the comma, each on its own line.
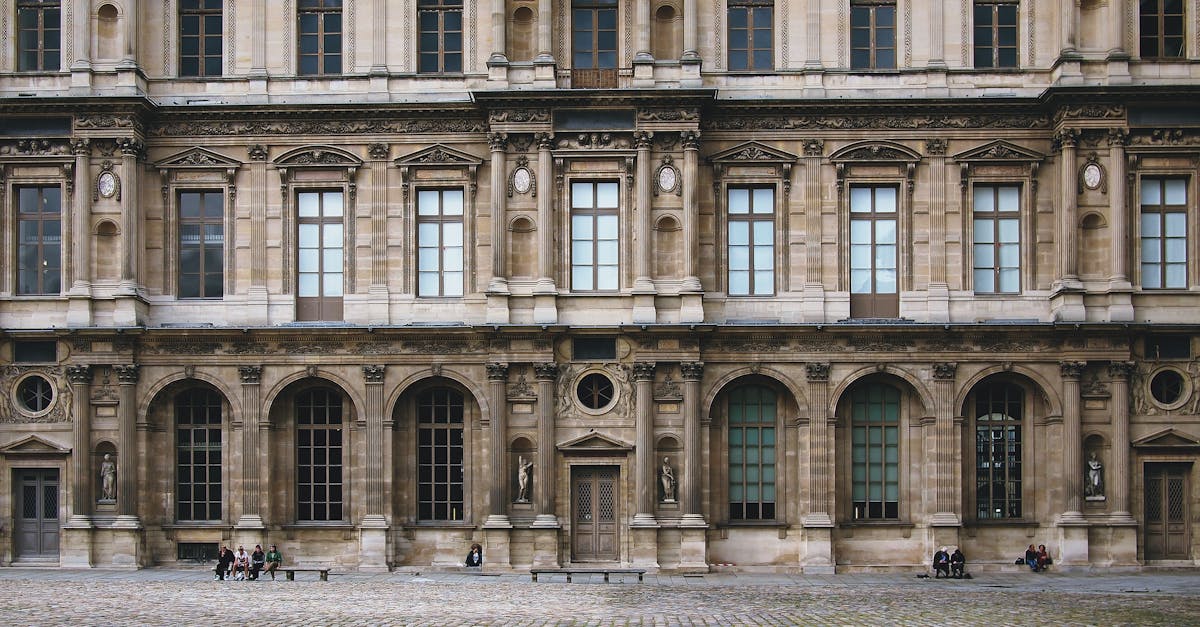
(595,391)
(1167,387)
(35,393)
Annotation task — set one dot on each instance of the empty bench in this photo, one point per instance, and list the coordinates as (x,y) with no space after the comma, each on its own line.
(291,572)
(534,572)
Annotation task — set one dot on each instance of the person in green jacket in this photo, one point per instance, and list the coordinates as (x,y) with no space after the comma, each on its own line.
(274,561)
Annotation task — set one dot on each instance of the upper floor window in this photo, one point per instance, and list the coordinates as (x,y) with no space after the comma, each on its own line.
(198,455)
(440,242)
(594,43)
(998,410)
(875,451)
(319,455)
(201,244)
(320,247)
(39,35)
(441,41)
(440,413)
(873,252)
(1164,232)
(39,240)
(1161,33)
(320,36)
(751,38)
(873,34)
(996,34)
(200,31)
(594,250)
(997,243)
(752,453)
(751,241)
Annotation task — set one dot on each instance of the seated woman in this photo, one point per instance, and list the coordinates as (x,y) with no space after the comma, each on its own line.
(958,562)
(1044,560)
(1031,559)
(475,556)
(941,563)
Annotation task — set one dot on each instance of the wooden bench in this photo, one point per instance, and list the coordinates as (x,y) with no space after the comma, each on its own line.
(291,572)
(590,570)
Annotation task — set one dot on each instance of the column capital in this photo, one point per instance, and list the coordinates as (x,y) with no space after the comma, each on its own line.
(257,152)
(1066,138)
(935,147)
(643,140)
(690,139)
(251,375)
(127,374)
(379,151)
(497,142)
(1118,137)
(691,370)
(79,373)
(1121,369)
(545,371)
(497,371)
(545,141)
(817,371)
(131,147)
(82,147)
(373,374)
(945,371)
(1071,369)
(814,147)
(643,370)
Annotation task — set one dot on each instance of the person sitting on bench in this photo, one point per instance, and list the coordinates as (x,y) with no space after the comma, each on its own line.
(958,562)
(941,563)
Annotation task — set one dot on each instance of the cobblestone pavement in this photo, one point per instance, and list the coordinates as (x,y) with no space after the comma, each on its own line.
(190,597)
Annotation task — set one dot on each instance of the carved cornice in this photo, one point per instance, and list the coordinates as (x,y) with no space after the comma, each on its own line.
(250,375)
(328,124)
(916,121)
(519,115)
(667,115)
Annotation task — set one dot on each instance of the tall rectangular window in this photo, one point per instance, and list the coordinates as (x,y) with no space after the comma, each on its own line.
(751,35)
(873,253)
(440,242)
(320,264)
(996,34)
(319,455)
(594,250)
(873,34)
(1161,34)
(440,454)
(594,43)
(752,453)
(751,241)
(39,240)
(1164,233)
(875,452)
(997,245)
(200,32)
(39,35)
(201,244)
(998,451)
(198,455)
(320,36)
(441,39)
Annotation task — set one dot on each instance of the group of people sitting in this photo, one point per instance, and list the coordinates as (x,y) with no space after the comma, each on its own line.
(1037,559)
(949,564)
(242,566)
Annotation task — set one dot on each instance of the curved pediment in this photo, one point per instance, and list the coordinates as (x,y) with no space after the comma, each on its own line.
(1169,438)
(318,156)
(439,155)
(753,152)
(32,445)
(875,151)
(198,158)
(595,443)
(999,151)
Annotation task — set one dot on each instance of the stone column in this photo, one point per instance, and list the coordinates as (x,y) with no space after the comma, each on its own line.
(76,548)
(252,495)
(127,538)
(1070,17)
(692,306)
(937,36)
(82,36)
(545,309)
(1117,481)
(818,521)
(1072,453)
(813,305)
(255,310)
(543,63)
(691,33)
(497,289)
(644,480)
(643,59)
(946,444)
(544,470)
(1118,209)
(1116,30)
(499,40)
(812,38)
(79,237)
(379,38)
(938,298)
(693,550)
(126,312)
(643,286)
(373,529)
(497,374)
(379,309)
(1068,220)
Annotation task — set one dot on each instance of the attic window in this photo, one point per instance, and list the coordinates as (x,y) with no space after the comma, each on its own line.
(1168,347)
(594,348)
(35,352)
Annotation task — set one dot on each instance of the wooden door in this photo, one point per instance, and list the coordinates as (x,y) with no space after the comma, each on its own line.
(594,514)
(36,513)
(1168,532)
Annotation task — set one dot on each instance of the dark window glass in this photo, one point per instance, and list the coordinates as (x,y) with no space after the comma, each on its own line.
(875,452)
(440,40)
(35,351)
(996,34)
(752,411)
(39,240)
(200,32)
(201,244)
(594,348)
(39,35)
(751,35)
(319,455)
(1168,347)
(998,412)
(595,391)
(1167,387)
(320,37)
(198,455)
(595,35)
(1161,33)
(873,35)
(440,454)
(36,394)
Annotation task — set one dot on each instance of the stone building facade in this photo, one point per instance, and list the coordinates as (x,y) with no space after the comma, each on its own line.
(809,286)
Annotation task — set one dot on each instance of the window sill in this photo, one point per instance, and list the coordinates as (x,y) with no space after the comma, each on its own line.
(760,524)
(1001,522)
(337,524)
(443,524)
(877,523)
(198,524)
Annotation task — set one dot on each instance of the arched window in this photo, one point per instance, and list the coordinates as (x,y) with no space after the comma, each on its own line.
(998,414)
(319,442)
(752,411)
(198,455)
(875,451)
(440,454)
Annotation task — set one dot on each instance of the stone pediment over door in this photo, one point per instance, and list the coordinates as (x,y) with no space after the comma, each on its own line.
(33,446)
(1168,440)
(594,444)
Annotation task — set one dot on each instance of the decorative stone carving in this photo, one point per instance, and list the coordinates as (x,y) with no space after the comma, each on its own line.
(378,151)
(814,147)
(524,474)
(496,371)
(38,147)
(545,370)
(521,390)
(935,147)
(945,370)
(79,373)
(1071,369)
(643,371)
(690,140)
(668,391)
(1093,485)
(691,370)
(667,115)
(667,477)
(522,180)
(891,120)
(108,479)
(373,374)
(324,126)
(519,115)
(108,183)
(127,374)
(1121,369)
(817,371)
(250,375)
(257,152)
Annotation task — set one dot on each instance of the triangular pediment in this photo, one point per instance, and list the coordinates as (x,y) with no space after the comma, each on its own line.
(33,445)
(439,154)
(753,152)
(318,156)
(1168,438)
(198,158)
(875,151)
(999,150)
(595,443)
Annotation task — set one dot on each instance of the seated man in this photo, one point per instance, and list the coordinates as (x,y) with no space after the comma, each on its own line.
(958,562)
(258,560)
(274,561)
(1031,559)
(941,563)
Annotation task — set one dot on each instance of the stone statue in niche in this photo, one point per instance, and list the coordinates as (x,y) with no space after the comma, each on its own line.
(108,479)
(523,470)
(668,481)
(1094,487)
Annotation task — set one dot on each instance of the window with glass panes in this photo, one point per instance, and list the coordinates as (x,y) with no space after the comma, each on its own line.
(873,35)
(320,32)
(198,455)
(875,451)
(873,256)
(752,413)
(440,454)
(594,29)
(996,34)
(441,37)
(39,35)
(440,242)
(1161,29)
(997,246)
(319,250)
(39,240)
(319,442)
(751,35)
(201,244)
(1164,233)
(200,33)
(998,412)
(751,241)
(594,250)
